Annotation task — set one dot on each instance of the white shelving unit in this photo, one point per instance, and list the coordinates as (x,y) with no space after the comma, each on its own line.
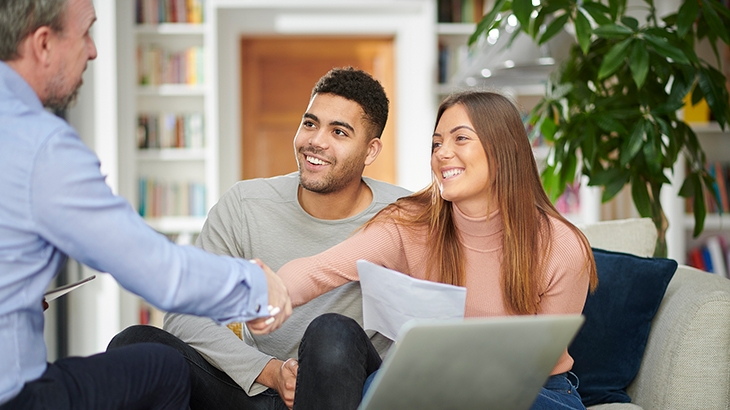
(169,164)
(183,165)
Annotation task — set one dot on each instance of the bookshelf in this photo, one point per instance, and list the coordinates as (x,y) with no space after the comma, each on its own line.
(167,140)
(173,149)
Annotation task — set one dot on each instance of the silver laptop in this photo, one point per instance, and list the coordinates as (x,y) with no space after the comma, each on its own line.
(484,363)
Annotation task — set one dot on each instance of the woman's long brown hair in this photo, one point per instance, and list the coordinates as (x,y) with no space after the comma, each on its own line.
(520,197)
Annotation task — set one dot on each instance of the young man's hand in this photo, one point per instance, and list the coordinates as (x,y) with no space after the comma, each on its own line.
(281,376)
(279,304)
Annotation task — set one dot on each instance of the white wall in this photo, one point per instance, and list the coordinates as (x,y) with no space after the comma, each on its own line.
(412,22)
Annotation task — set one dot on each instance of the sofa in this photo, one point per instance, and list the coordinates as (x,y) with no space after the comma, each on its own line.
(686,361)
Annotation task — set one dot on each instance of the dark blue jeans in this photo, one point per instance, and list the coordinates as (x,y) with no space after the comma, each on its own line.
(559,393)
(335,358)
(210,388)
(144,376)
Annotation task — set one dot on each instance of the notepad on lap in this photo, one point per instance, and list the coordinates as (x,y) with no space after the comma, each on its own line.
(485,363)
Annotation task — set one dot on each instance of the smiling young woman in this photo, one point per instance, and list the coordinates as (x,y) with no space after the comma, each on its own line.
(485,223)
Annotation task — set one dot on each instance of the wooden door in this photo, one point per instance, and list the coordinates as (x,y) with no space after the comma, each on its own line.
(277,77)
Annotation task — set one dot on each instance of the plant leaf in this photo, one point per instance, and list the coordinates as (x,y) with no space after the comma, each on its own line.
(640,195)
(599,12)
(712,85)
(630,22)
(583,31)
(633,146)
(487,22)
(666,49)
(614,187)
(714,22)
(612,31)
(522,10)
(617,8)
(639,63)
(554,28)
(686,17)
(614,59)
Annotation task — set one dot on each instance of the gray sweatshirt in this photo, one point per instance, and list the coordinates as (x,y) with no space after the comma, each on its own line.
(262,218)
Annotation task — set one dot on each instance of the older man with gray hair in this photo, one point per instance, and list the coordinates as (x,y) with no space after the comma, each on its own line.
(54,202)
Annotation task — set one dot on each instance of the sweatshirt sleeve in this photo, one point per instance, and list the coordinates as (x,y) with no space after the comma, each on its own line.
(222,234)
(380,243)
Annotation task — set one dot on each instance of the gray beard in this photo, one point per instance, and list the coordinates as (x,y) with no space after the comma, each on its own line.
(58,102)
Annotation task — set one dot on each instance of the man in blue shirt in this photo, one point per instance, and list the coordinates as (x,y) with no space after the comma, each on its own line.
(54,202)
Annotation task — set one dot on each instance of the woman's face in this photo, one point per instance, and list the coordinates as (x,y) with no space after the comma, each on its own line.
(459,163)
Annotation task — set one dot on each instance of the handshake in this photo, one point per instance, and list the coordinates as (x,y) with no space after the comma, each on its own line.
(280,307)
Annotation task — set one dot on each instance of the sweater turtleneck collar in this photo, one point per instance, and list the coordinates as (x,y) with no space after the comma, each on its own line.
(482,233)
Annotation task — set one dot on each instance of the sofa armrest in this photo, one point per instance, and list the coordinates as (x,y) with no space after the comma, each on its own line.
(686,363)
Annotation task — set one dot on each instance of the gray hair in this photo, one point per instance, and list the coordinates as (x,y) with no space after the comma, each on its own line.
(20,18)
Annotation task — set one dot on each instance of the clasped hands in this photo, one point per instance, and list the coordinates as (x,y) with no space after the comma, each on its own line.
(279,303)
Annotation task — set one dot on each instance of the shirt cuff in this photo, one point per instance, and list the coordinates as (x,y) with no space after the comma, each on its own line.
(256,304)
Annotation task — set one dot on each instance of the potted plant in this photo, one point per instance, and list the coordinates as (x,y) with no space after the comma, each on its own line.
(610,110)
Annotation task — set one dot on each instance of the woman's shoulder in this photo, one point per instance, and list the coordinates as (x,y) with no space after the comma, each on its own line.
(565,237)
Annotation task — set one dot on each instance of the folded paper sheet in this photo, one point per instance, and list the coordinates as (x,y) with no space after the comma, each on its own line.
(390,299)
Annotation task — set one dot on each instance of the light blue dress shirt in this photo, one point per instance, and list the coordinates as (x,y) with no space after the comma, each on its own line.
(54,202)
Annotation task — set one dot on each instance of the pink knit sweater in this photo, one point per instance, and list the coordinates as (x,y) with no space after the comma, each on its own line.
(403,249)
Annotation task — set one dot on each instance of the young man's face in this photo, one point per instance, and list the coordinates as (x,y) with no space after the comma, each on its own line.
(74,47)
(333,144)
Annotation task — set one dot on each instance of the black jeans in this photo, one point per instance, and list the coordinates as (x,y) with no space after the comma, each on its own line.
(210,388)
(144,376)
(335,358)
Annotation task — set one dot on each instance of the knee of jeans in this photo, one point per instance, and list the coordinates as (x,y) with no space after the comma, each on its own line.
(133,335)
(332,335)
(170,360)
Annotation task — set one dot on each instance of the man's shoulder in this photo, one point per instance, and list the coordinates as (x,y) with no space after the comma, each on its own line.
(384,191)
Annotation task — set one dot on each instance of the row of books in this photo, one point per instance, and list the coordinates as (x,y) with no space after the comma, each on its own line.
(713,256)
(450,59)
(156,65)
(170,130)
(720,189)
(169,11)
(161,198)
(460,11)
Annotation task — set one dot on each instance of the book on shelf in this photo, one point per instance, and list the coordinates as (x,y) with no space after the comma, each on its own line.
(169,11)
(450,58)
(170,130)
(150,315)
(161,198)
(712,256)
(157,65)
(460,11)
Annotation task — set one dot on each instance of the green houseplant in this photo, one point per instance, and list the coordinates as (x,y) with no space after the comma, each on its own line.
(610,110)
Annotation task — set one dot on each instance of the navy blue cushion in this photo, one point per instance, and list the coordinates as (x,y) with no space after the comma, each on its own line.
(609,347)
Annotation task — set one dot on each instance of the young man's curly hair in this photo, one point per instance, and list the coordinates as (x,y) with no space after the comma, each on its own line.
(361,87)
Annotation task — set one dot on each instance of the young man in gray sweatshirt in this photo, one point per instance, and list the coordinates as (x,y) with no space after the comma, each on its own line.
(278,219)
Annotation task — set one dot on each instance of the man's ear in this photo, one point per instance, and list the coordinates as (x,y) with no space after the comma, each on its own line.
(39,45)
(374,147)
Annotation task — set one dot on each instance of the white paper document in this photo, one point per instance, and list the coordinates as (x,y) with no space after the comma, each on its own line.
(54,294)
(390,299)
